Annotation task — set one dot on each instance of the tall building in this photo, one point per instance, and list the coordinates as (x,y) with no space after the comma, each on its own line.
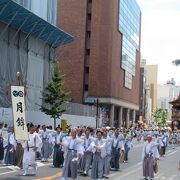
(165,94)
(103,63)
(151,71)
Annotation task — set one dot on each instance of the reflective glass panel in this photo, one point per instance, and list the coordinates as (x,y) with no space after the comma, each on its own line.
(129,26)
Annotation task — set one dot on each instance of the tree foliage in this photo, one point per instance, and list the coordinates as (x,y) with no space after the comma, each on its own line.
(159,116)
(53,95)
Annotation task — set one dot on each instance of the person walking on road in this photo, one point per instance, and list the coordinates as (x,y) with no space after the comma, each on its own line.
(149,155)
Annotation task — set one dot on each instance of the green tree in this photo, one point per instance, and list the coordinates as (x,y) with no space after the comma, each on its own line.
(54,96)
(159,116)
(164,117)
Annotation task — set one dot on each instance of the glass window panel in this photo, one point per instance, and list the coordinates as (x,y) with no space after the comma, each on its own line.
(129,23)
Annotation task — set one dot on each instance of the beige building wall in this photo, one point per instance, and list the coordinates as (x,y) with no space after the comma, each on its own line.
(152,83)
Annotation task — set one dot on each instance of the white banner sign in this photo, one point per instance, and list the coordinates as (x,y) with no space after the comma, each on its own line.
(18,106)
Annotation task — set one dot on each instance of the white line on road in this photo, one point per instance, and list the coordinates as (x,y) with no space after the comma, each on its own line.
(9,172)
(172,177)
(158,175)
(171,153)
(129,172)
(111,175)
(3,167)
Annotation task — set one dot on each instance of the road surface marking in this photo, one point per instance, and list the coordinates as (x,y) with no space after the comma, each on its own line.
(50,177)
(2,167)
(163,177)
(172,177)
(171,153)
(129,172)
(111,175)
(9,172)
(40,164)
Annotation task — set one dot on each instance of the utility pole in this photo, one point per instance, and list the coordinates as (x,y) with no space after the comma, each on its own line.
(97,112)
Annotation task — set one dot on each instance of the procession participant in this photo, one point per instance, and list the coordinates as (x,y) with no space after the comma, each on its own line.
(87,156)
(58,154)
(138,135)
(107,158)
(98,149)
(19,154)
(164,141)
(30,147)
(127,146)
(79,134)
(117,147)
(173,140)
(74,150)
(38,133)
(46,141)
(149,156)
(1,143)
(11,148)
(161,144)
(178,138)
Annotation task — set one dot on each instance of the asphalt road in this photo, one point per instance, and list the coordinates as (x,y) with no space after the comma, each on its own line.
(168,168)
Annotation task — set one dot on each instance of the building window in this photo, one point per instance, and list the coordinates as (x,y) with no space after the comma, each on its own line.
(89,16)
(129,26)
(87,70)
(86,87)
(128,80)
(87,52)
(88,34)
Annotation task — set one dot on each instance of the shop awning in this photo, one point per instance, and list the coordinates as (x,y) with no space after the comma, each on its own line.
(22,19)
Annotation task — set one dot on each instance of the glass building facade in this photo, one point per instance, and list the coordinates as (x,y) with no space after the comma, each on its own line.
(129,26)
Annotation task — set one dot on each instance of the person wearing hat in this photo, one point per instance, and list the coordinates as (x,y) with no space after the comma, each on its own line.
(149,156)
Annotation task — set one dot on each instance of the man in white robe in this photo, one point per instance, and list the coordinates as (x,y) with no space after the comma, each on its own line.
(30,147)
(149,155)
(74,148)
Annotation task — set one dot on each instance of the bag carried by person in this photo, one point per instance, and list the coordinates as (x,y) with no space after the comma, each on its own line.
(161,152)
(121,157)
(155,166)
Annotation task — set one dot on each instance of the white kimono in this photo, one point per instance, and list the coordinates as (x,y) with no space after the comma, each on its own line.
(150,147)
(29,157)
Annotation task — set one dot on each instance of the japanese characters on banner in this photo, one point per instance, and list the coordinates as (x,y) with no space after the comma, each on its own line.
(18,106)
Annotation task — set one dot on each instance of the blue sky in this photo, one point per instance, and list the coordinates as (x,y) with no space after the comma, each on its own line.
(160,38)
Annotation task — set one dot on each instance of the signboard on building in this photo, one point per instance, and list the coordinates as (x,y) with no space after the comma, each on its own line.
(18,107)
